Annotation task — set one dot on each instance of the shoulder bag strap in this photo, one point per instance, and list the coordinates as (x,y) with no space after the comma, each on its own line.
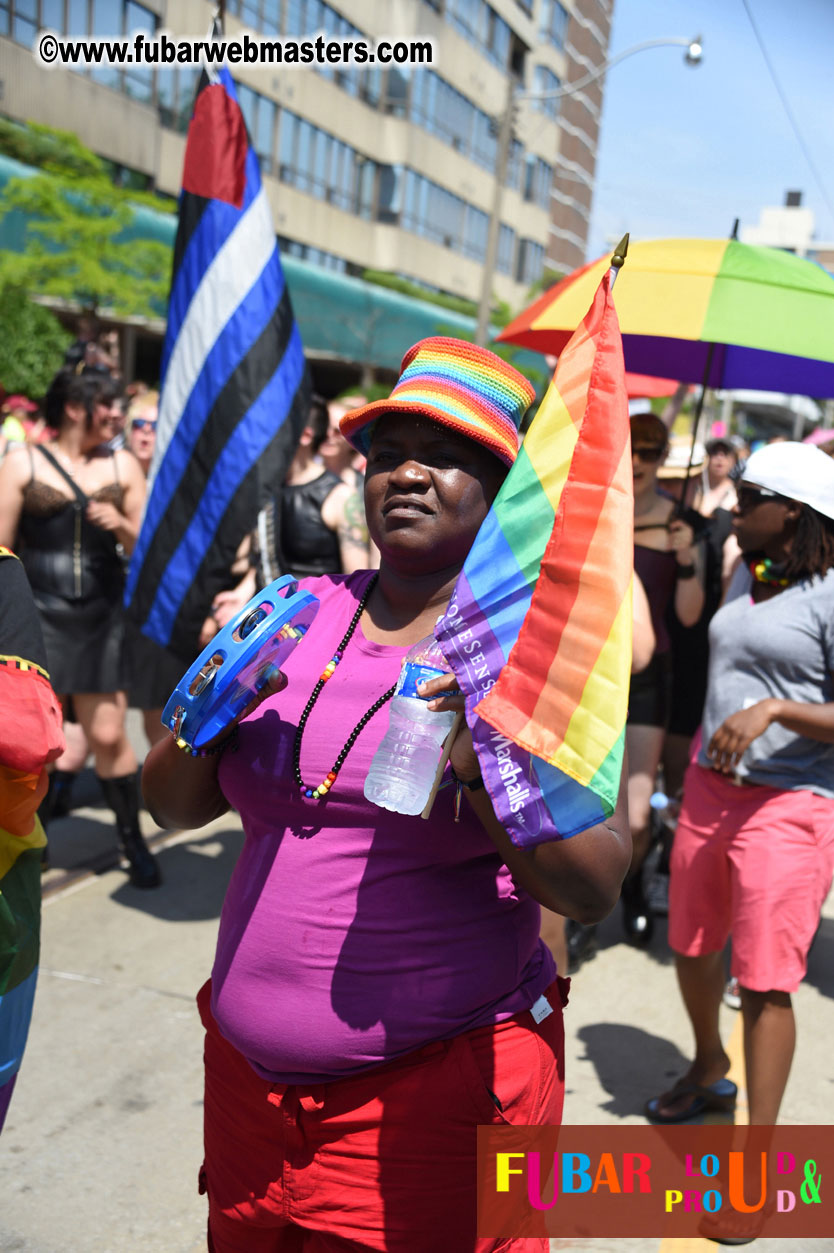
(81,497)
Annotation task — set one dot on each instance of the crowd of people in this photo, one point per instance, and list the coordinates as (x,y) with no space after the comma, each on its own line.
(359,1020)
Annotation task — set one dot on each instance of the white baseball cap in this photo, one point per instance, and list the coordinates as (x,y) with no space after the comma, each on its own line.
(799,471)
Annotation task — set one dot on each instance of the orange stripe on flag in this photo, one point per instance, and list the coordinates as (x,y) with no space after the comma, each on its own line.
(590,619)
(586,569)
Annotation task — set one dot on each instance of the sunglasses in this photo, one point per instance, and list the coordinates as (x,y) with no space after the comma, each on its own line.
(651,453)
(143,424)
(751,497)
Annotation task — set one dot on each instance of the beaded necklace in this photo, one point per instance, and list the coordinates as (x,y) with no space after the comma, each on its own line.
(769,572)
(327,782)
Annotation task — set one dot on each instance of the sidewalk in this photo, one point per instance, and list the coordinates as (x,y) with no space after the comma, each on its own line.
(103,1139)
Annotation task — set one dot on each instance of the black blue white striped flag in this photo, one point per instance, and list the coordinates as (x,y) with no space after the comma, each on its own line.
(234,381)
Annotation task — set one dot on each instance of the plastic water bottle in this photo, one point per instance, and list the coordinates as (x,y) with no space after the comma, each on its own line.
(403,769)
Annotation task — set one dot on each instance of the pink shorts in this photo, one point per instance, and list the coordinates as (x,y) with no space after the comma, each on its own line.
(383,1160)
(755,863)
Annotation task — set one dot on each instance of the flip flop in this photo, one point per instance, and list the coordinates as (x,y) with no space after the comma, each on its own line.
(716,1227)
(720,1095)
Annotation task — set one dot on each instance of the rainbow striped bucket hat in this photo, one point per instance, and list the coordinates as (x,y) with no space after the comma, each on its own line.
(459,385)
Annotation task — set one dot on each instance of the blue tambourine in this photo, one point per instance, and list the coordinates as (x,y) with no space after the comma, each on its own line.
(237,663)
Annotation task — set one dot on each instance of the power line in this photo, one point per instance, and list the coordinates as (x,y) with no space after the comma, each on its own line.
(788,111)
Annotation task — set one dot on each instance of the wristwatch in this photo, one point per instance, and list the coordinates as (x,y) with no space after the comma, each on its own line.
(471,785)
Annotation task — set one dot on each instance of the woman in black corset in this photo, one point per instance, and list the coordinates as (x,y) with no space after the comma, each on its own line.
(72,508)
(315,525)
(669,560)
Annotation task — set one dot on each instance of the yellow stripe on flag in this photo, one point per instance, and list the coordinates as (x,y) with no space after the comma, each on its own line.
(588,634)
(11,846)
(597,721)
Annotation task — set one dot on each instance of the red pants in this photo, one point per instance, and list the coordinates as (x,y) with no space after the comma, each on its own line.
(384,1160)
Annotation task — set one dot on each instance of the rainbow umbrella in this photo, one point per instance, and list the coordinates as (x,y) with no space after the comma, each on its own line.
(644,385)
(710,311)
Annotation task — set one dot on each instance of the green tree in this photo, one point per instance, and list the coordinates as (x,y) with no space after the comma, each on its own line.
(32,344)
(75,245)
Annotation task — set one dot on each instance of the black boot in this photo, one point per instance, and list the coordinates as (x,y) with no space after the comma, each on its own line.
(122,795)
(638,920)
(61,782)
(582,943)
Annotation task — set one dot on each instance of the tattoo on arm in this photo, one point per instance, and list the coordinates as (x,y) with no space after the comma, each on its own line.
(352,527)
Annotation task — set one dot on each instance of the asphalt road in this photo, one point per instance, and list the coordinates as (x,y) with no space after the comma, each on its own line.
(103,1140)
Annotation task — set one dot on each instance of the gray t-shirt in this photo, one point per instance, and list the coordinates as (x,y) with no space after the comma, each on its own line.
(784,648)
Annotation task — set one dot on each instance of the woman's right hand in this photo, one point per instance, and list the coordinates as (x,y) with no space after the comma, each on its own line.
(275,683)
(183,792)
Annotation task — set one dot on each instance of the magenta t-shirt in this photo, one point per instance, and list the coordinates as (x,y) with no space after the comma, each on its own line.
(350,935)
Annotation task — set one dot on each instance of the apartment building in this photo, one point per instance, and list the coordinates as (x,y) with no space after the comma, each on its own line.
(383,168)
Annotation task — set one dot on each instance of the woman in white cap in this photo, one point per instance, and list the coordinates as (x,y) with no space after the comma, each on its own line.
(754,847)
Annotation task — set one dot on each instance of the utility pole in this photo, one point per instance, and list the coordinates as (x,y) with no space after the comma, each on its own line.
(505,134)
(693,56)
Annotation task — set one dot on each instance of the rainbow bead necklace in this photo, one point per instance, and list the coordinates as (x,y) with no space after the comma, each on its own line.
(330,778)
(766,571)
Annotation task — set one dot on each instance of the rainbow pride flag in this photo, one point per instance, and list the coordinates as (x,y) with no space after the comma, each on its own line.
(538,629)
(30,737)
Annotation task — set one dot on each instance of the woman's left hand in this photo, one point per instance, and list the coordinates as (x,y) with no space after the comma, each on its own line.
(447,695)
(104,515)
(737,733)
(681,539)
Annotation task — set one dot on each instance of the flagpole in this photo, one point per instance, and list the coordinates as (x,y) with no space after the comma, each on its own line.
(441,765)
(618,259)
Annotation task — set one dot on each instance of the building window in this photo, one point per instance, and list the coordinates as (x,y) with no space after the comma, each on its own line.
(305,17)
(553,22)
(52,14)
(475,233)
(260,115)
(315,162)
(443,111)
(24,21)
(316,256)
(139,80)
(175,92)
(389,194)
(79,19)
(545,84)
(529,262)
(437,215)
(396,90)
(506,249)
(515,164)
(499,38)
(76,17)
(538,178)
(480,25)
(433,212)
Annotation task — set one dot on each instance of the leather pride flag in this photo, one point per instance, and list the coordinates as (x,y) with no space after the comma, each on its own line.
(234,382)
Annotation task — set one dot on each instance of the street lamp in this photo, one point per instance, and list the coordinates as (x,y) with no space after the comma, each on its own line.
(693,56)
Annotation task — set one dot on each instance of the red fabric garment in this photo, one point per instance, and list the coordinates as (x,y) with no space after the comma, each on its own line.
(30,726)
(384,1160)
